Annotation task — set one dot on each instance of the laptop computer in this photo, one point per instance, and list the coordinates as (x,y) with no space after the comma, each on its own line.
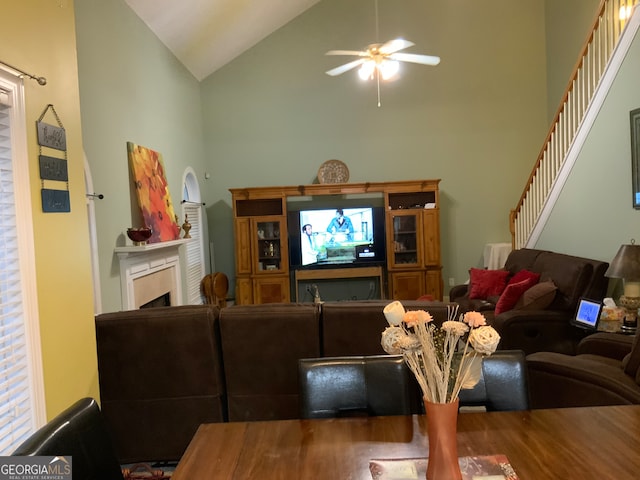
(587,314)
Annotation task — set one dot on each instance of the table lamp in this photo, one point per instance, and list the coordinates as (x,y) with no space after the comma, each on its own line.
(626,265)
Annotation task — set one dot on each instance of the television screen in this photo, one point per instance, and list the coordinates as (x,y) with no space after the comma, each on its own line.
(336,236)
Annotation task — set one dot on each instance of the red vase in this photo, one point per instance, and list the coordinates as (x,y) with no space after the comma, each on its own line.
(442,426)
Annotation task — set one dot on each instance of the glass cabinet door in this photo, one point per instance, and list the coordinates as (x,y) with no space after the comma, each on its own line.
(270,249)
(406,238)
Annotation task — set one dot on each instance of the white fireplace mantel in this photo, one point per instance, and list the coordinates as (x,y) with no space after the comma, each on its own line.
(149,271)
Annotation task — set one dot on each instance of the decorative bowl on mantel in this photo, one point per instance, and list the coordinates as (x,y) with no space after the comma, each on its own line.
(139,236)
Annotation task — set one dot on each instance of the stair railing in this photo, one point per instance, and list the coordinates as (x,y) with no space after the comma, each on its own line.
(594,58)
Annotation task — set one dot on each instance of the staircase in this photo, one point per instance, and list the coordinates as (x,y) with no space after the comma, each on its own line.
(612,33)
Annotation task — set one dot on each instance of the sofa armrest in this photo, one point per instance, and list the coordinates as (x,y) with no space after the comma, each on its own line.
(537,331)
(557,381)
(611,345)
(458,291)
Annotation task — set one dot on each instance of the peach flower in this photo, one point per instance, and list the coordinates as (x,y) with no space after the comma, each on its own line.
(414,317)
(474,319)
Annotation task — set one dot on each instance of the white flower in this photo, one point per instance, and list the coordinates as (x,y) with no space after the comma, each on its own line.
(484,340)
(455,328)
(431,352)
(395,340)
(392,339)
(394,313)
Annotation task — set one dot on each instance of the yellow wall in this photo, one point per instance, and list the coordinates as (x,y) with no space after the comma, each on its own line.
(38,36)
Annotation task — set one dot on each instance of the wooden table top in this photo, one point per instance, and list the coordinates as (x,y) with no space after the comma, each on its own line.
(574,443)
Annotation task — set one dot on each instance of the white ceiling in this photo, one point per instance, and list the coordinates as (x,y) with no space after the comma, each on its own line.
(207,34)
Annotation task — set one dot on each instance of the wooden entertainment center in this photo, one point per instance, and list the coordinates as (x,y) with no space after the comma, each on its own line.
(412,236)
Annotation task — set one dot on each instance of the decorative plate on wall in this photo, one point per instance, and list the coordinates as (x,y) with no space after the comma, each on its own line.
(333,171)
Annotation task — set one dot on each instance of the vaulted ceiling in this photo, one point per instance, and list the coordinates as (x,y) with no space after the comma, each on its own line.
(206,34)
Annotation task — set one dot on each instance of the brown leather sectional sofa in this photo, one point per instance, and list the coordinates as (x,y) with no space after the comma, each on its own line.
(164,371)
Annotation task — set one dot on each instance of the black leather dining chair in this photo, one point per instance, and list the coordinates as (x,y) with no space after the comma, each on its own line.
(78,432)
(356,386)
(503,384)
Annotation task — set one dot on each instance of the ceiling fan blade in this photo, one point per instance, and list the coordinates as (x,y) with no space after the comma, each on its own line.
(395,45)
(415,58)
(346,67)
(346,52)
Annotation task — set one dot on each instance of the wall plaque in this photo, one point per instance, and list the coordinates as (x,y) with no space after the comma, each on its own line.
(55,201)
(51,136)
(52,168)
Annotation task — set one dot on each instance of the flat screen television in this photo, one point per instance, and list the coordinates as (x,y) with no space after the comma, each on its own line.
(325,237)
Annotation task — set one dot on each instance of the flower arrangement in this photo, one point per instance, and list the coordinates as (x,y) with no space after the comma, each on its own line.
(443,359)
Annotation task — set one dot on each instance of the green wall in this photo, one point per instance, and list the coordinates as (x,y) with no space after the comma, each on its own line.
(272,116)
(132,88)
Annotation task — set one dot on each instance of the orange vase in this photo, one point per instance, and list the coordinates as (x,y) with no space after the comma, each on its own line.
(442,425)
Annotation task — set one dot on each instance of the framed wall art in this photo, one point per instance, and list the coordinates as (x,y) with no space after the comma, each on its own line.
(153,194)
(635,156)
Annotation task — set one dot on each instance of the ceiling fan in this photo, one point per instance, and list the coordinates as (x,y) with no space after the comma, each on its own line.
(380,60)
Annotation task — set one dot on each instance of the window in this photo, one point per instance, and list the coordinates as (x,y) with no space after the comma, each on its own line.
(22,408)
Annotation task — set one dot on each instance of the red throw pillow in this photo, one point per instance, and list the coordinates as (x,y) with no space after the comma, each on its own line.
(487,283)
(511,295)
(525,275)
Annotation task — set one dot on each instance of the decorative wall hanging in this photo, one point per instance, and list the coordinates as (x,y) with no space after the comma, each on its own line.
(52,168)
(152,190)
(635,155)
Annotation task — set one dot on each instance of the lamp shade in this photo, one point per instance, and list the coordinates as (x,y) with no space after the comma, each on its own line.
(626,263)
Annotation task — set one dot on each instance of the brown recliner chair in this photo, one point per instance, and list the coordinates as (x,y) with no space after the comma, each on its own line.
(606,371)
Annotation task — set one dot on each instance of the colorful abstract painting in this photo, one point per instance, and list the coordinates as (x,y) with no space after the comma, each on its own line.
(153,194)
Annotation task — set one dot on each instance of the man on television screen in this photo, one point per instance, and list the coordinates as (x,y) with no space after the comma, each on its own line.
(308,245)
(341,224)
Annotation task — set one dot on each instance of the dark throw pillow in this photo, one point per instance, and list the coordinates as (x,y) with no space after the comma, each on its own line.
(538,297)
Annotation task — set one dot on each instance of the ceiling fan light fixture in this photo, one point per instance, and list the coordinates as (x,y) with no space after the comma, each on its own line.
(389,69)
(365,72)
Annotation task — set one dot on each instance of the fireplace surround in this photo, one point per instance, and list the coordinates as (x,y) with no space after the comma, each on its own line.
(150,271)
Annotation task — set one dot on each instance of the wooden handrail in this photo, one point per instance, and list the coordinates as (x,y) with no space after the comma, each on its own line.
(606,20)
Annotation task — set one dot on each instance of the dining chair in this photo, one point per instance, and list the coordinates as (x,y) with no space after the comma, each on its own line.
(356,386)
(503,384)
(78,432)
(215,287)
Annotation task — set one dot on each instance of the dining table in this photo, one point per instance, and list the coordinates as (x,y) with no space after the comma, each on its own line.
(568,443)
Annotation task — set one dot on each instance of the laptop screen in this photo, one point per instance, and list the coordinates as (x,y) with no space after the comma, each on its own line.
(587,314)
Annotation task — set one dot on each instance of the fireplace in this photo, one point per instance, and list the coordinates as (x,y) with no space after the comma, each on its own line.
(150,274)
(161,301)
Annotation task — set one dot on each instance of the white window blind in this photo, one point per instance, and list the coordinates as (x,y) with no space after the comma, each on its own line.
(195,253)
(21,389)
